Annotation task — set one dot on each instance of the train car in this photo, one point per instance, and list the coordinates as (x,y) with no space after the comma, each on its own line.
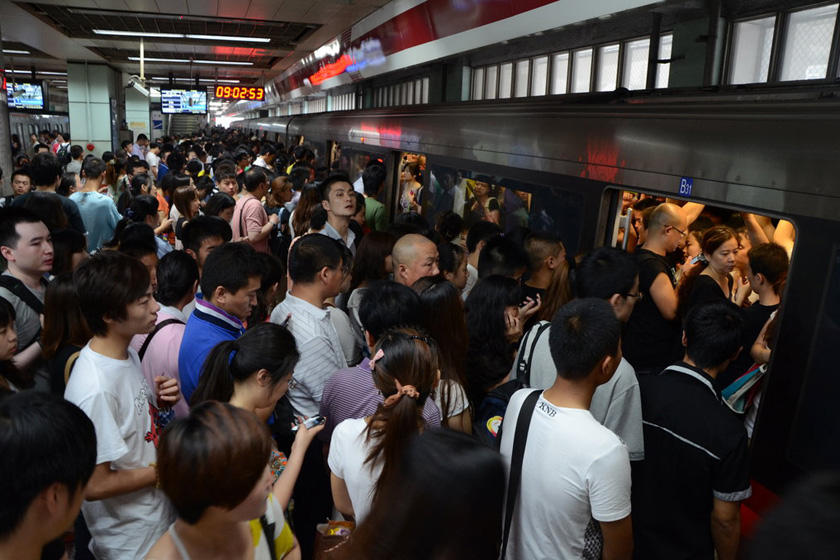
(565,166)
(24,124)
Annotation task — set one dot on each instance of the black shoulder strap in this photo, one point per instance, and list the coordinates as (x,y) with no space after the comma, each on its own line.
(268,531)
(22,292)
(523,422)
(158,327)
(524,367)
(541,330)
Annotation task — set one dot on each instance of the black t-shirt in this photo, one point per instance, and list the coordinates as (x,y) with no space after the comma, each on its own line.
(706,290)
(532,292)
(755,316)
(695,450)
(650,340)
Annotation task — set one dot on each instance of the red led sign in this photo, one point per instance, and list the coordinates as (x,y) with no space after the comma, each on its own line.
(240,92)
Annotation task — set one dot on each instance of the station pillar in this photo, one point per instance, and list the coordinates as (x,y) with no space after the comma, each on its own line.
(92,104)
(5,136)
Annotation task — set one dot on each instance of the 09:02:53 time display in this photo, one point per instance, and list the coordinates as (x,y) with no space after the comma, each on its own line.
(240,92)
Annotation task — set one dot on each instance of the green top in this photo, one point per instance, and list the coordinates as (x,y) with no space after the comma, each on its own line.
(375,214)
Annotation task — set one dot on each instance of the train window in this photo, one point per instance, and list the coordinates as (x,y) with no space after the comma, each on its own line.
(539,76)
(491,82)
(478,84)
(607,75)
(353,162)
(426,82)
(807,43)
(510,203)
(663,69)
(813,443)
(505,80)
(412,171)
(582,70)
(523,68)
(634,75)
(559,73)
(749,57)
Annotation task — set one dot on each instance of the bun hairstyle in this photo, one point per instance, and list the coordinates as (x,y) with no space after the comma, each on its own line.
(405,369)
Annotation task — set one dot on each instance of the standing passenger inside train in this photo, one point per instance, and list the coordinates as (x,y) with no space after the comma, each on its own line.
(339,200)
(688,491)
(609,274)
(414,257)
(711,280)
(504,257)
(651,339)
(575,473)
(545,255)
(366,453)
(373,179)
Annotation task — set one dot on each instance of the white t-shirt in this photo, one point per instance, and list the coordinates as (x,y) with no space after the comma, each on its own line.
(458,401)
(349,449)
(574,470)
(472,279)
(152,160)
(115,396)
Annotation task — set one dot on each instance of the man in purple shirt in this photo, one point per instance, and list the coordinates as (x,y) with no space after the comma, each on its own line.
(350,392)
(140,146)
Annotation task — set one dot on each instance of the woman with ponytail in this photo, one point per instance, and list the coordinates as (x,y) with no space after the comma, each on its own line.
(253,372)
(711,280)
(365,453)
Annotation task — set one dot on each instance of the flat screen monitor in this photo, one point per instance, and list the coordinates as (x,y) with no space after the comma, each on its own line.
(183,101)
(25,95)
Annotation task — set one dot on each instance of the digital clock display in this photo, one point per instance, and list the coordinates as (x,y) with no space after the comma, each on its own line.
(240,92)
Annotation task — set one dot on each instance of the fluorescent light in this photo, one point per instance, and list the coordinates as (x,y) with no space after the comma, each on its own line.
(229,38)
(37,72)
(204,80)
(138,34)
(15,51)
(187,61)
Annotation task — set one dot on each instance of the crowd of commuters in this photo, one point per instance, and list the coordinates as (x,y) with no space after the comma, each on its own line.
(212,345)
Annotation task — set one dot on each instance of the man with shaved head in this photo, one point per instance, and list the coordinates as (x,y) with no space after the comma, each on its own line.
(414,257)
(652,338)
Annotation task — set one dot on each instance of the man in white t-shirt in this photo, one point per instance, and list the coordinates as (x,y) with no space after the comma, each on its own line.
(124,511)
(575,472)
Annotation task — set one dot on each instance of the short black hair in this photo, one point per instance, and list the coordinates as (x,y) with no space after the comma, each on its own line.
(194,167)
(481,231)
(327,183)
(372,177)
(9,219)
(177,272)
(267,149)
(606,271)
(217,202)
(299,176)
(125,143)
(386,305)
(254,177)
(138,240)
(93,167)
(200,228)
(133,164)
(142,136)
(76,151)
(230,266)
(107,283)
(501,256)
(138,182)
(310,254)
(24,171)
(45,439)
(583,332)
(712,333)
(45,169)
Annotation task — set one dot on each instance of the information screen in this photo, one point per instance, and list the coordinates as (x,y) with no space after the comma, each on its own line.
(25,95)
(180,101)
(240,92)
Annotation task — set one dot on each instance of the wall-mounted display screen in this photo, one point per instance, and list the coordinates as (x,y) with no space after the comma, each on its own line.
(240,92)
(183,101)
(25,95)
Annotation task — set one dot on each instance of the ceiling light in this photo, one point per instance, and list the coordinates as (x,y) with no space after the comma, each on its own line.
(205,80)
(138,34)
(229,38)
(187,61)
(15,51)
(37,72)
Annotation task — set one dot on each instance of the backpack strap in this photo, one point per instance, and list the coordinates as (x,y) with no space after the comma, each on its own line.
(523,422)
(523,367)
(157,328)
(268,531)
(23,293)
(68,365)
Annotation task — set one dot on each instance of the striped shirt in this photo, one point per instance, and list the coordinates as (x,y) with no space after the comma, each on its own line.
(350,393)
(319,347)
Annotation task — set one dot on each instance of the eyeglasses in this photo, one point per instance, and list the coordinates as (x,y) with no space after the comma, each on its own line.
(682,233)
(637,295)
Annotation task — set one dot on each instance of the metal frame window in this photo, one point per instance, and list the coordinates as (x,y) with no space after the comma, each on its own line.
(751,50)
(560,70)
(582,62)
(606,67)
(635,63)
(806,43)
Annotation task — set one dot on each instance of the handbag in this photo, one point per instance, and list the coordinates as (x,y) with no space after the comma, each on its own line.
(740,394)
(332,539)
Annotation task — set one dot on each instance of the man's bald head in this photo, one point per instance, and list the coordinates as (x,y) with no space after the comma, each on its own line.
(667,226)
(414,257)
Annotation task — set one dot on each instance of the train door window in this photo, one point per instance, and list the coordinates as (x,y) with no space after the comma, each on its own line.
(491,82)
(353,162)
(523,68)
(412,194)
(505,80)
(559,73)
(663,70)
(607,76)
(539,76)
(582,70)
(512,204)
(426,84)
(634,75)
(807,43)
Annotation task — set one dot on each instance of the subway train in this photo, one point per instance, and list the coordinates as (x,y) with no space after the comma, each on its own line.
(565,165)
(24,124)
